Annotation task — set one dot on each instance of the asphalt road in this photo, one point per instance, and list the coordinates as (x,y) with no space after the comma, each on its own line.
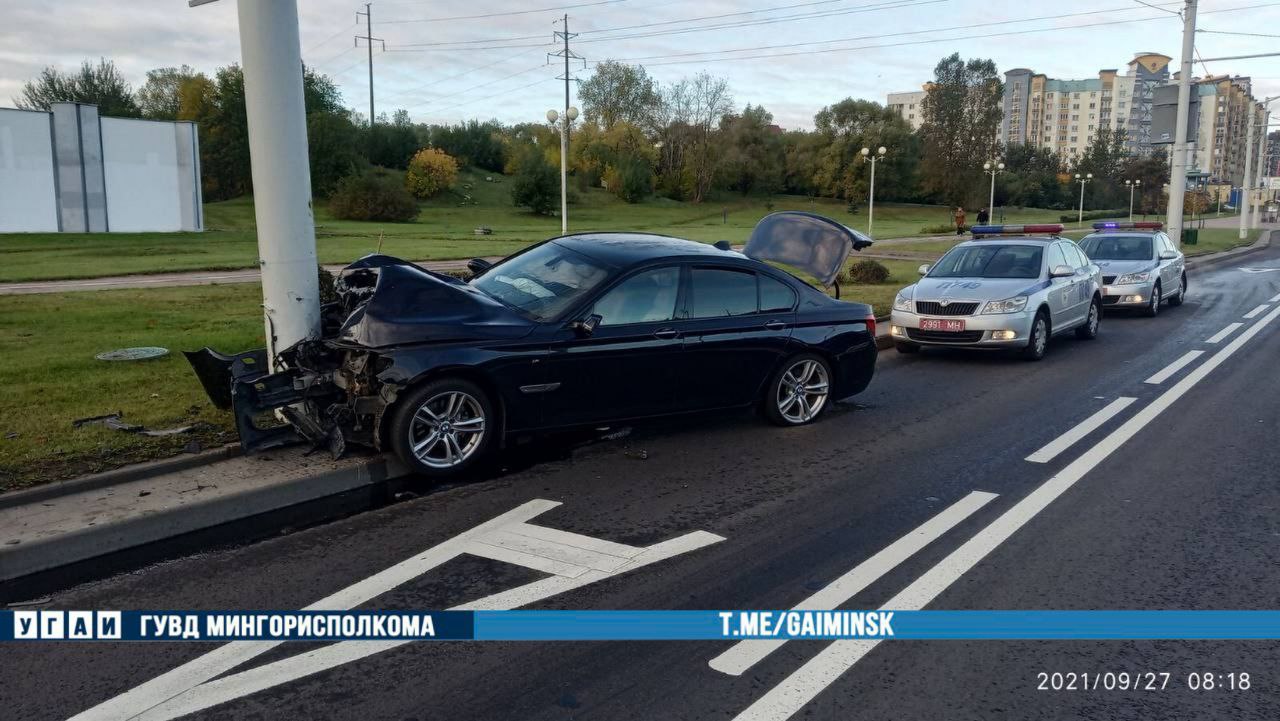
(1169,504)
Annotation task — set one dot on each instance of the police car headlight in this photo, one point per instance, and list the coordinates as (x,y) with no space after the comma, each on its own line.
(902,302)
(1008,305)
(1130,278)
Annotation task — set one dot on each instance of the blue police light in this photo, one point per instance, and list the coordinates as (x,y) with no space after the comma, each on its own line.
(1117,225)
(979,230)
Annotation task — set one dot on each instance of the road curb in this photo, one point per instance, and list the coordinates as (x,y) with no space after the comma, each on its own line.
(1262,243)
(125,474)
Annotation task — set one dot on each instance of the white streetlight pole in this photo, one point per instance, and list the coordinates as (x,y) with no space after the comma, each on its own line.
(272,59)
(991,203)
(871,195)
(1133,184)
(1262,158)
(1178,167)
(1248,170)
(562,124)
(1082,180)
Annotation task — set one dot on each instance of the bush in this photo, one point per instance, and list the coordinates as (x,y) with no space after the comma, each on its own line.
(1092,215)
(631,179)
(938,229)
(867,272)
(536,185)
(372,195)
(430,172)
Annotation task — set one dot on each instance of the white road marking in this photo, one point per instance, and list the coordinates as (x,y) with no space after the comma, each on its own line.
(745,654)
(1082,429)
(190,688)
(1274,298)
(1174,367)
(1256,311)
(1222,334)
(802,686)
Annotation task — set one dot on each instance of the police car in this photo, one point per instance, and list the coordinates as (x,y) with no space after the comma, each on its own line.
(1008,288)
(1140,265)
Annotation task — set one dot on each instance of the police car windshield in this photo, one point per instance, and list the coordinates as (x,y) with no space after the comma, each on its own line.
(1117,247)
(990,261)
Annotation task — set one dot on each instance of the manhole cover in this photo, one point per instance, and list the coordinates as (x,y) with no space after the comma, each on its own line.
(133,354)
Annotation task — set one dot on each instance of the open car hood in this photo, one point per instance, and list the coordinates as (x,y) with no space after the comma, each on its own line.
(806,241)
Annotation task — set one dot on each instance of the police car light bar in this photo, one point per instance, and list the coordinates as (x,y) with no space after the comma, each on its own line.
(1115,225)
(1015,229)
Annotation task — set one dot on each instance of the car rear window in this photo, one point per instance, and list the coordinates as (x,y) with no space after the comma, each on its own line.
(775,295)
(718,293)
(1117,247)
(990,261)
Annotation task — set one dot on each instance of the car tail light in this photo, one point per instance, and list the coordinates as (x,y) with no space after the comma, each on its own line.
(871,326)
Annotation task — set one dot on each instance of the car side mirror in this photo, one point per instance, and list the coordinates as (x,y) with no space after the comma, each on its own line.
(478,265)
(587,326)
(923,269)
(1168,255)
(1062,271)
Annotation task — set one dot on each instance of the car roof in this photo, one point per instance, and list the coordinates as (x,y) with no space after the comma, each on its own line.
(1136,232)
(1004,240)
(624,249)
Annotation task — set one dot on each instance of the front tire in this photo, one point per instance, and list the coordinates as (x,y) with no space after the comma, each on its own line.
(1153,307)
(799,391)
(1089,330)
(1038,339)
(1182,292)
(444,428)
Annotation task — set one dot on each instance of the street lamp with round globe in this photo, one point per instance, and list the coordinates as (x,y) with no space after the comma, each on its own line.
(562,123)
(993,169)
(871,193)
(1082,180)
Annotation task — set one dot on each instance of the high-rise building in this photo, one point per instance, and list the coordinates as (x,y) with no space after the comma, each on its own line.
(909,105)
(1219,149)
(1066,115)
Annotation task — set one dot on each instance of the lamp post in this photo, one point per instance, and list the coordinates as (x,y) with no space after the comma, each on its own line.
(1262,159)
(1132,184)
(562,124)
(992,169)
(871,195)
(1082,180)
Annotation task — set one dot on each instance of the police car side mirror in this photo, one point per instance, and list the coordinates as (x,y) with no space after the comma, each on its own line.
(923,269)
(1062,271)
(1168,255)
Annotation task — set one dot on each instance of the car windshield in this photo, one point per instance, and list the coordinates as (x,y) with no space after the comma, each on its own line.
(542,282)
(1117,247)
(990,261)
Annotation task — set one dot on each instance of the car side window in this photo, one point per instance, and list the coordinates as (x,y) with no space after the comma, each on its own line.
(1056,258)
(646,297)
(1081,260)
(1166,244)
(718,293)
(775,295)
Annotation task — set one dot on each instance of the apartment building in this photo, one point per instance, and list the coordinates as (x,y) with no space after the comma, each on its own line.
(1223,127)
(1066,115)
(909,105)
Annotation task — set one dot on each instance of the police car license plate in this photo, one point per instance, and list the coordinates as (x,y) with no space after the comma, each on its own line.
(946,325)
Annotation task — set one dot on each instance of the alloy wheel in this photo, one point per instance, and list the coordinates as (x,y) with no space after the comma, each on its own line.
(1041,340)
(446,429)
(802,391)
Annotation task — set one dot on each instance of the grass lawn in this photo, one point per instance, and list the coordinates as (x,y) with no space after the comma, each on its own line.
(1215,240)
(51,378)
(444,230)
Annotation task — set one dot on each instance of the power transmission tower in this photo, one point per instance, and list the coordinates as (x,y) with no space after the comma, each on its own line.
(568,55)
(369,41)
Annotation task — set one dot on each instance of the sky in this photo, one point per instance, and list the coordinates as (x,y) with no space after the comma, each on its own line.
(442,63)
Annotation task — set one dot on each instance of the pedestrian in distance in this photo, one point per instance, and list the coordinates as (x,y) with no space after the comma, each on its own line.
(959,218)
(983,217)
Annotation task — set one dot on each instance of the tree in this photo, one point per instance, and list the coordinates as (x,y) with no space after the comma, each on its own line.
(1153,171)
(431,171)
(754,159)
(617,92)
(962,111)
(535,183)
(844,129)
(372,195)
(473,143)
(393,142)
(1105,157)
(161,97)
(1030,178)
(696,106)
(101,84)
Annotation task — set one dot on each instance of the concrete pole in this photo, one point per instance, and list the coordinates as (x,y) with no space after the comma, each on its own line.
(991,198)
(1178,171)
(564,174)
(272,58)
(1262,160)
(1245,187)
(871,200)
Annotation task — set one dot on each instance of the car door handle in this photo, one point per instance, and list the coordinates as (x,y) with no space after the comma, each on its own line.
(775,325)
(666,333)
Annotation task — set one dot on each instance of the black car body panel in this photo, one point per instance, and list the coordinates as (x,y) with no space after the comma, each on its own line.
(398,325)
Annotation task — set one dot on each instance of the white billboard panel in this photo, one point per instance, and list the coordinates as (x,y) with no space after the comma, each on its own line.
(28,195)
(140,162)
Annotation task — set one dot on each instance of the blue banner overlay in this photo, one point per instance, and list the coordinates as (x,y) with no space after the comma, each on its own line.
(218,626)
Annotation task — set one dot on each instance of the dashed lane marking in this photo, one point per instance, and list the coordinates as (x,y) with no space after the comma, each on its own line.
(1222,334)
(1256,311)
(1168,371)
(1082,429)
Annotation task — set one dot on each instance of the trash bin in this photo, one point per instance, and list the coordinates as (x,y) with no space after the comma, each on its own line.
(1190,236)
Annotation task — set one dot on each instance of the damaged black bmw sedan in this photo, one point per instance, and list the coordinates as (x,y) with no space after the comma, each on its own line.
(582,330)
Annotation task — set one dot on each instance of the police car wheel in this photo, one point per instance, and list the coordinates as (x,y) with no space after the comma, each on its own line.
(1089,330)
(1153,306)
(1181,295)
(907,348)
(1038,339)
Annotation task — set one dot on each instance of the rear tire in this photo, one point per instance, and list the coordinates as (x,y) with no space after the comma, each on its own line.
(1182,292)
(1153,307)
(906,348)
(1038,339)
(799,392)
(1089,330)
(444,428)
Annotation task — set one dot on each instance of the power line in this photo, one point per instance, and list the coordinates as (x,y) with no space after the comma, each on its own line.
(507,92)
(502,14)
(1226,32)
(462,74)
(464,91)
